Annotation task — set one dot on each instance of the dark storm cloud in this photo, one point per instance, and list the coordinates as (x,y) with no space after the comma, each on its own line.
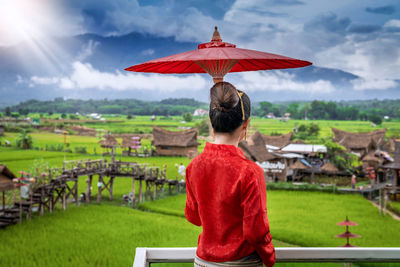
(385,10)
(363,28)
(329,22)
(287,2)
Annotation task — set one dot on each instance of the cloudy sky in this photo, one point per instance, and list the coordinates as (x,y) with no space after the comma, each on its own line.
(361,38)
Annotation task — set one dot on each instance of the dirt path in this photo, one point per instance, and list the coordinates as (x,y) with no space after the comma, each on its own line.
(394,216)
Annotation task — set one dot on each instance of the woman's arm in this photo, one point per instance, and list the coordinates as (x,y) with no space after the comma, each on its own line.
(191,209)
(255,220)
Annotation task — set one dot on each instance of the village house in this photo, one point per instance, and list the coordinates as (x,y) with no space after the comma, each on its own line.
(275,166)
(200,112)
(7,216)
(175,143)
(393,168)
(109,142)
(360,144)
(276,142)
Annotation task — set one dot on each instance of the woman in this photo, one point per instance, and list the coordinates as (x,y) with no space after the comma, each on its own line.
(226,193)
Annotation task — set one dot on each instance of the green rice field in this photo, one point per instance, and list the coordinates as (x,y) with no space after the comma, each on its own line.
(107,234)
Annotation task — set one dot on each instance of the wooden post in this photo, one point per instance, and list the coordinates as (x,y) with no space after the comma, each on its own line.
(384,201)
(133,192)
(89,188)
(111,187)
(41,205)
(51,199)
(76,191)
(64,199)
(140,191)
(100,186)
(4,201)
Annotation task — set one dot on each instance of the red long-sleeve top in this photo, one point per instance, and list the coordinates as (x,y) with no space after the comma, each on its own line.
(226,195)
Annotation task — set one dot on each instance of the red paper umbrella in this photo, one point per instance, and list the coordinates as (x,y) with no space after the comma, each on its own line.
(348,235)
(347,222)
(217,58)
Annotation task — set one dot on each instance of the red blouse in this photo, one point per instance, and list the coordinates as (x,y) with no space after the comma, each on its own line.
(226,194)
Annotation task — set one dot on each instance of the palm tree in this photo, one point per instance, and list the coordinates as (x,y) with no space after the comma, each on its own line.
(24,140)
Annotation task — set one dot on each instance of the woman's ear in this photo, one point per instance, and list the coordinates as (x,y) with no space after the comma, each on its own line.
(246,123)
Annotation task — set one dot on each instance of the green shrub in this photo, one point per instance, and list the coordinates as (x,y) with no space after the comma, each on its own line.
(80,149)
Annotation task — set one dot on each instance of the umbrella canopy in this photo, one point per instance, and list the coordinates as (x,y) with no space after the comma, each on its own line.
(348,235)
(347,222)
(217,58)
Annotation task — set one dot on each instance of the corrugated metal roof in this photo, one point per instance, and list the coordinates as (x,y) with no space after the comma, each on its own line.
(304,148)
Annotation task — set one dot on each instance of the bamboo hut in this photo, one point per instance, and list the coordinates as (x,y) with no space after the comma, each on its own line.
(297,168)
(370,160)
(360,143)
(274,166)
(175,143)
(109,142)
(329,168)
(7,215)
(394,167)
(129,143)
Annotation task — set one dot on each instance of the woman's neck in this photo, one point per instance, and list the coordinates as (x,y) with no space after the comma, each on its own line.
(226,139)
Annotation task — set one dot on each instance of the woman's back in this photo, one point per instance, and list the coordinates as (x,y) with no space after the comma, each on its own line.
(226,195)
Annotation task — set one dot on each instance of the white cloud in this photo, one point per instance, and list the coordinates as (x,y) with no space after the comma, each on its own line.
(148,52)
(281,81)
(84,76)
(393,23)
(373,84)
(87,50)
(44,80)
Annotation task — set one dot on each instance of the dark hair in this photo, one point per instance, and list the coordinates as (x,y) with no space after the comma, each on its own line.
(226,108)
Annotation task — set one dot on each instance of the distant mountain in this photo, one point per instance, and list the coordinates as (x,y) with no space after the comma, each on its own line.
(114,53)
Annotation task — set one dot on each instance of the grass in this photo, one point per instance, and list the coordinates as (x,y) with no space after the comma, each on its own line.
(91,236)
(309,218)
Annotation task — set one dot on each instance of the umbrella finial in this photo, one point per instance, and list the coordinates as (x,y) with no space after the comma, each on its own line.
(216,36)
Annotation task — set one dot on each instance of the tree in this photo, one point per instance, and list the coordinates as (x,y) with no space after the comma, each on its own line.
(187,117)
(293,109)
(129,116)
(24,140)
(265,108)
(63,116)
(375,118)
(203,127)
(339,157)
(8,111)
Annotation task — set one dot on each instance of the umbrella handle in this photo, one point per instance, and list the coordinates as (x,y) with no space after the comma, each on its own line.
(218,79)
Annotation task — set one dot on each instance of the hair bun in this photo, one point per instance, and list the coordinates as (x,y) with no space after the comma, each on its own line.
(223,96)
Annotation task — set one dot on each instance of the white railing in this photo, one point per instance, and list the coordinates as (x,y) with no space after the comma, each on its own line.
(145,256)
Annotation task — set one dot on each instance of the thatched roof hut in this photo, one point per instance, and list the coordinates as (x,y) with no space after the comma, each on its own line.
(128,142)
(6,178)
(298,165)
(396,163)
(329,168)
(361,143)
(277,140)
(371,157)
(175,143)
(109,141)
(254,148)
